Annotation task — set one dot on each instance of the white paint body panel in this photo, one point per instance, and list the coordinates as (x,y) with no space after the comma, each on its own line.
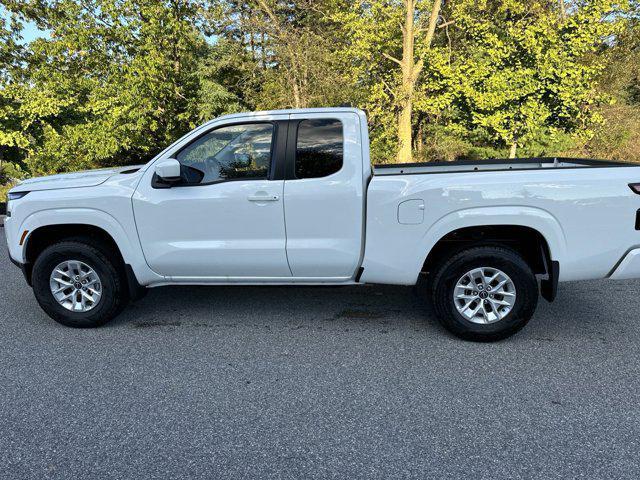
(87,178)
(213,232)
(411,212)
(106,206)
(325,216)
(629,267)
(587,216)
(322,231)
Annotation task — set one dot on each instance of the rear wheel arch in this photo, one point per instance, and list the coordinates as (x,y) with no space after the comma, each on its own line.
(528,242)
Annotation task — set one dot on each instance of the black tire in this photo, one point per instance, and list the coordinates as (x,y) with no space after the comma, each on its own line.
(98,257)
(451,270)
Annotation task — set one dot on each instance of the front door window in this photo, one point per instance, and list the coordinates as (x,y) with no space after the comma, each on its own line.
(228,153)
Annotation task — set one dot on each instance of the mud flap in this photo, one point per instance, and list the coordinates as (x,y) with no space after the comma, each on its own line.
(549,285)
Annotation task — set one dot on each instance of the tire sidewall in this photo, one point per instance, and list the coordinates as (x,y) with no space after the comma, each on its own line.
(511,264)
(57,254)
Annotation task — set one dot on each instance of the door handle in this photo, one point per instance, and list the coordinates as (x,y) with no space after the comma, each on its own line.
(263,198)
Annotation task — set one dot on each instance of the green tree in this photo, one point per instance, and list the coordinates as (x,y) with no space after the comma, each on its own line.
(290,52)
(116,81)
(618,137)
(12,134)
(524,71)
(390,42)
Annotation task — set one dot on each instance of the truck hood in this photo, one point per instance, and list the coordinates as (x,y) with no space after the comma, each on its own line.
(87,178)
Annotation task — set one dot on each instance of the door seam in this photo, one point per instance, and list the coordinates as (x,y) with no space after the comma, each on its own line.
(284,198)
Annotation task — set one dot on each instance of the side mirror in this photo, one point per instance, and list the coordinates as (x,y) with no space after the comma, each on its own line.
(168,170)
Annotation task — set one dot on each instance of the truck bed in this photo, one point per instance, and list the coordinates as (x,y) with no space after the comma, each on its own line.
(494,165)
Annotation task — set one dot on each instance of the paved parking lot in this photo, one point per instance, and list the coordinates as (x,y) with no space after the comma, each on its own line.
(356,382)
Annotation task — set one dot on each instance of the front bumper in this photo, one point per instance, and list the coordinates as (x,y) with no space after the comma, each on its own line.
(24,267)
(629,266)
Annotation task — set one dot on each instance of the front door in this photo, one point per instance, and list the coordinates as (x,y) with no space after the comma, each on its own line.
(225,217)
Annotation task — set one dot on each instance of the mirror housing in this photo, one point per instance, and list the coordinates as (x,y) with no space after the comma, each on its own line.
(168,170)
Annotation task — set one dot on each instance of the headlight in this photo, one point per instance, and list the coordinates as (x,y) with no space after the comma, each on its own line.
(16,195)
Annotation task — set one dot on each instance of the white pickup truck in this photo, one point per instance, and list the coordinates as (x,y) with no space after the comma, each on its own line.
(290,198)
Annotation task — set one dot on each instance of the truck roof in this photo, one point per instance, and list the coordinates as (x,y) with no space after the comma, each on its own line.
(290,111)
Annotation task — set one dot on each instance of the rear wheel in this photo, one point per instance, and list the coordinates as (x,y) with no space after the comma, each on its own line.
(484,293)
(78,284)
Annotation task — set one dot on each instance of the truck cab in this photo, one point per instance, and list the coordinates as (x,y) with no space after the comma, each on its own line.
(282,201)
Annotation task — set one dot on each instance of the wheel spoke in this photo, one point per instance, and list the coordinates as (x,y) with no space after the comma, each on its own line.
(463,296)
(494,309)
(476,310)
(86,296)
(501,284)
(477,275)
(466,307)
(503,303)
(485,313)
(67,296)
(493,277)
(62,274)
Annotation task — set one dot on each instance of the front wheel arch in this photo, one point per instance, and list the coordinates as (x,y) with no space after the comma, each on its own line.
(45,236)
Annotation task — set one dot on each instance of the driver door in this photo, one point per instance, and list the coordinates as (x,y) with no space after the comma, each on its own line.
(224,220)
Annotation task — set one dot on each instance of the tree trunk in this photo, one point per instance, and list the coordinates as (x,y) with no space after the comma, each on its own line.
(410,73)
(419,140)
(405,154)
(288,43)
(405,99)
(513,150)
(563,9)
(296,94)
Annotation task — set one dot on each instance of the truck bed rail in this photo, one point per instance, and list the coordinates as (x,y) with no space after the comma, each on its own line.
(498,164)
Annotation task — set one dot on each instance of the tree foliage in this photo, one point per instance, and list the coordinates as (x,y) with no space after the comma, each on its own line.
(114,81)
(525,71)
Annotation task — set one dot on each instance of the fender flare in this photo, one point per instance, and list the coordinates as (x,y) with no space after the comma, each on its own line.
(531,217)
(126,241)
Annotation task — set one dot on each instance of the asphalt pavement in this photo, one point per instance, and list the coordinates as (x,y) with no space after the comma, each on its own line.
(301,382)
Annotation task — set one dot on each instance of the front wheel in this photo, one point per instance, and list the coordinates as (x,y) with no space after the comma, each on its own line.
(78,285)
(484,293)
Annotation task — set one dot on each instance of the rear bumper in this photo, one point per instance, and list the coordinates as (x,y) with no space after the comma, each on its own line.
(629,266)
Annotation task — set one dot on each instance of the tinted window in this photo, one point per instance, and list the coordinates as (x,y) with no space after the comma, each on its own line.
(319,149)
(236,151)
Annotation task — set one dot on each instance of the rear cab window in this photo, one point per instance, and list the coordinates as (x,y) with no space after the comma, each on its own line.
(319,148)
